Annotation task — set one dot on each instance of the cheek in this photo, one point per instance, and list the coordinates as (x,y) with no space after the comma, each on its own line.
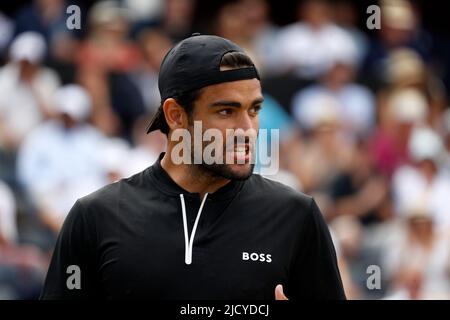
(256,123)
(213,122)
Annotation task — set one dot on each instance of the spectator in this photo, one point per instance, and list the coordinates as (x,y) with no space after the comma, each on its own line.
(345,15)
(417,263)
(104,61)
(178,18)
(261,34)
(400,27)
(63,50)
(405,69)
(389,145)
(146,147)
(154,44)
(113,157)
(57,163)
(120,160)
(348,236)
(309,46)
(26,88)
(144,10)
(424,184)
(359,190)
(321,153)
(356,103)
(231,22)
(46,17)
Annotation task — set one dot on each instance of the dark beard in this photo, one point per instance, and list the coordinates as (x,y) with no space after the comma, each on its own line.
(222,171)
(217,170)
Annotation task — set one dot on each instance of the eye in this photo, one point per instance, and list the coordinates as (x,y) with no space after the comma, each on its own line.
(255,109)
(226,112)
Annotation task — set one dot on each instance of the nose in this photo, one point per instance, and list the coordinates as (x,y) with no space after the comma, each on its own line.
(246,127)
(245,122)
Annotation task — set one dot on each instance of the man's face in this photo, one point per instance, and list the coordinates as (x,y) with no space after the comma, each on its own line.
(230,105)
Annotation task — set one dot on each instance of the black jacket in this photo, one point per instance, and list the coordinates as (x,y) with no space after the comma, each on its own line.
(129,240)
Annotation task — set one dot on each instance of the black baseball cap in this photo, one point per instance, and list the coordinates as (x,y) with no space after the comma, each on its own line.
(192,64)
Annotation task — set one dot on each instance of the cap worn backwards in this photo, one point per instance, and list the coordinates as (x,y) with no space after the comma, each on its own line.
(194,63)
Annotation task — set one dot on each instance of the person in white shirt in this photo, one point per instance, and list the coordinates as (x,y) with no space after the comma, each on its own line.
(417,260)
(424,184)
(26,88)
(308,47)
(356,103)
(58,162)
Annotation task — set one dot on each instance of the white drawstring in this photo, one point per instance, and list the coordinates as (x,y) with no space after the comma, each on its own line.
(188,243)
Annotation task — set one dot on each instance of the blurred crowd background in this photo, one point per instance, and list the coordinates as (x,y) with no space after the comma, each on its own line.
(363,116)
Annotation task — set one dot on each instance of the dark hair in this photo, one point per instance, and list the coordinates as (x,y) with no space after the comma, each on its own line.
(236,60)
(233,60)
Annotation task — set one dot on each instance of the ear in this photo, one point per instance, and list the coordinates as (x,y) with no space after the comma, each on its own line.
(176,116)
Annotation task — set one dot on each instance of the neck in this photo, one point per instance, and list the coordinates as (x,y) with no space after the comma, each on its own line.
(192,178)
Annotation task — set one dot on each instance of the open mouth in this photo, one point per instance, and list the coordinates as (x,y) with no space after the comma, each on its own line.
(242,151)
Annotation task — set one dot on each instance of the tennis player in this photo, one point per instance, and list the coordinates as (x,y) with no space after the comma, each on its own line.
(197,230)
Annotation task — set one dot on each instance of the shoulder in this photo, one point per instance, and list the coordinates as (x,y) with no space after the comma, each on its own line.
(278,192)
(359,90)
(334,30)
(112,196)
(283,203)
(291,31)
(7,70)
(89,131)
(308,93)
(404,174)
(42,134)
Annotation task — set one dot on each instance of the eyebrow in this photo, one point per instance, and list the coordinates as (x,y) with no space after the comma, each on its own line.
(235,104)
